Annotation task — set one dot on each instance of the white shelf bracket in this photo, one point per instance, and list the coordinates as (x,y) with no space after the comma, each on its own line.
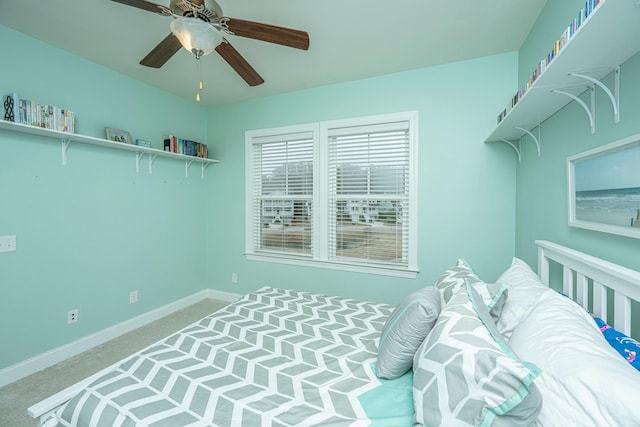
(614,98)
(517,150)
(590,110)
(204,167)
(536,140)
(187,163)
(139,155)
(65,147)
(151,159)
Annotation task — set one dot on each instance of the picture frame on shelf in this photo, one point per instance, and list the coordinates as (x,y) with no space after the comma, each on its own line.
(604,188)
(117,135)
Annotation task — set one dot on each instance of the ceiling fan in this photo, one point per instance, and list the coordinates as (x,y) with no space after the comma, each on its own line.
(202,21)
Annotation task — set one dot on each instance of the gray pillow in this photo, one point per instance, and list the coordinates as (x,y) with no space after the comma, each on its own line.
(405,330)
(465,375)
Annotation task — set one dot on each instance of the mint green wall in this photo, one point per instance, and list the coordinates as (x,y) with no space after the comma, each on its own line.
(541,204)
(466,187)
(90,232)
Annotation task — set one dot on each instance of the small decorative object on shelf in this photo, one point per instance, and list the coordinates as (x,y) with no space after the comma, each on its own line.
(187,147)
(118,135)
(27,112)
(11,107)
(143,143)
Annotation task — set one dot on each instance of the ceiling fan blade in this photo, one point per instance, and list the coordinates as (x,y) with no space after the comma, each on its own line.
(160,54)
(146,5)
(239,64)
(265,32)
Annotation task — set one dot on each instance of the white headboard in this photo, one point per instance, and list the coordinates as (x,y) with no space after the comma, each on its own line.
(583,270)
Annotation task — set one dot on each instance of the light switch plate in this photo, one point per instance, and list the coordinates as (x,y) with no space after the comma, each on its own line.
(7,243)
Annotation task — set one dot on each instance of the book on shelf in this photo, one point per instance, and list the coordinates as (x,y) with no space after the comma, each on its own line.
(170,144)
(187,147)
(27,112)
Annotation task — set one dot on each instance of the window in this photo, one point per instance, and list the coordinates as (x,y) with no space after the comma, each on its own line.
(337,194)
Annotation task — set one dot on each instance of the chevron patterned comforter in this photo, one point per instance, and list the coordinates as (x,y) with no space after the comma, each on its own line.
(274,358)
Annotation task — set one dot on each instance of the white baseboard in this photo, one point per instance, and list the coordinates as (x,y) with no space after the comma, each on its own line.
(221,295)
(42,361)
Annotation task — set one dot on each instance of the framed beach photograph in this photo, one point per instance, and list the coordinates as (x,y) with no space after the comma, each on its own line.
(604,188)
(118,135)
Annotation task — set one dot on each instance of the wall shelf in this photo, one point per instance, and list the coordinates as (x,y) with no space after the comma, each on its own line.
(606,39)
(66,138)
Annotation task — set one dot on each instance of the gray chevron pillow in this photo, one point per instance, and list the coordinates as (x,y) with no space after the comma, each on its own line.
(453,279)
(465,374)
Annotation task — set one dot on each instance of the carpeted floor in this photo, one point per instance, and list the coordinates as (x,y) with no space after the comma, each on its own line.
(15,398)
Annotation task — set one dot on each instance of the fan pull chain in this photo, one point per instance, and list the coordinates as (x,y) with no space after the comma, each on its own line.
(200,75)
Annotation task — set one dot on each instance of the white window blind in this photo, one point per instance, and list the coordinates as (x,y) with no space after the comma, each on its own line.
(339,194)
(282,190)
(369,193)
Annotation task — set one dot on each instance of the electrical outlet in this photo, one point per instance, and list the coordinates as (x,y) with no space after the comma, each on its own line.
(234,277)
(133,297)
(7,243)
(72,316)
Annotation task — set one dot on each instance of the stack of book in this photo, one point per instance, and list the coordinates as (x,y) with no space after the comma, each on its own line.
(565,37)
(32,113)
(187,147)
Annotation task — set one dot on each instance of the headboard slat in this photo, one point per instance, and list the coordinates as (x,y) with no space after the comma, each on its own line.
(600,300)
(567,281)
(582,290)
(622,314)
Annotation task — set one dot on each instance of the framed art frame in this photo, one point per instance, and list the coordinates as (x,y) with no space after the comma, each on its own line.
(116,135)
(604,188)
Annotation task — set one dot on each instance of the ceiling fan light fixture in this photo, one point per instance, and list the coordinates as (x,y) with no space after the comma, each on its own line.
(196,35)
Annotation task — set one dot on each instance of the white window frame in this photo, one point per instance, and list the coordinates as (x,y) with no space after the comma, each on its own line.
(320,256)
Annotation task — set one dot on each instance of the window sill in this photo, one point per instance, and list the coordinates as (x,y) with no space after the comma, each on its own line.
(406,273)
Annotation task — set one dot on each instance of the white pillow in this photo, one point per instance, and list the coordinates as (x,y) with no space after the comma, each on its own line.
(584,381)
(526,288)
(520,274)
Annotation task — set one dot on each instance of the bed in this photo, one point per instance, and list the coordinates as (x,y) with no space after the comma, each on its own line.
(461,352)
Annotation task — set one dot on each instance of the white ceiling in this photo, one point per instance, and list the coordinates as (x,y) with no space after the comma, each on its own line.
(349,40)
